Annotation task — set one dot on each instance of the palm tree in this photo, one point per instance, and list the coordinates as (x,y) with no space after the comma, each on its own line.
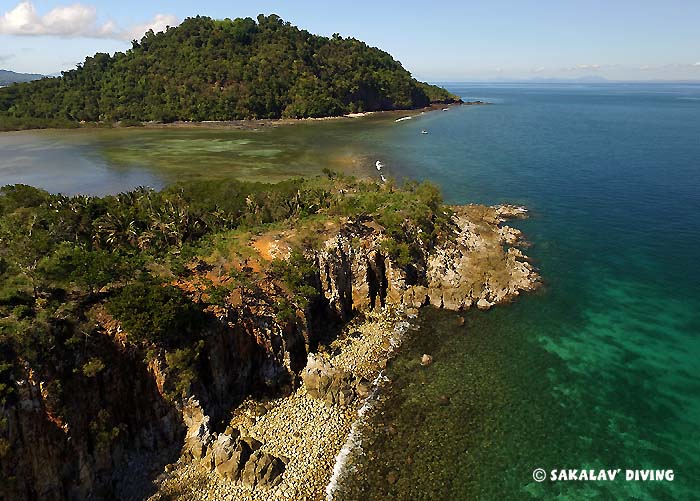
(116,228)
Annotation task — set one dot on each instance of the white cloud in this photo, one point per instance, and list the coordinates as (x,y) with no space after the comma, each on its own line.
(158,23)
(586,67)
(75,20)
(670,67)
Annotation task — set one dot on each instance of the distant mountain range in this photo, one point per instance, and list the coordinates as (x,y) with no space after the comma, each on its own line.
(589,79)
(581,79)
(8,77)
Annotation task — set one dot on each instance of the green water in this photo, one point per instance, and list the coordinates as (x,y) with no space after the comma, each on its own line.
(100,161)
(600,369)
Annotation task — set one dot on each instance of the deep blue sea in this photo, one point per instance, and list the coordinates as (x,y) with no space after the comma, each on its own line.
(600,369)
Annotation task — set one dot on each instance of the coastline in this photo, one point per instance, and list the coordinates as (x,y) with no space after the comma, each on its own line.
(307,432)
(318,441)
(274,122)
(253,124)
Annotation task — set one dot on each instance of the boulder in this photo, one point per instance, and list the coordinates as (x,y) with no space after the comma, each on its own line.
(259,410)
(221,450)
(333,386)
(483,304)
(252,443)
(426,360)
(363,388)
(346,395)
(195,448)
(229,456)
(263,470)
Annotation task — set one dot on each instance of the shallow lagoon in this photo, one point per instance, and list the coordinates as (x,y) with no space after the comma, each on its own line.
(100,161)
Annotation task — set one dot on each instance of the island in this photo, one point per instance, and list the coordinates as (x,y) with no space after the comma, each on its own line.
(219,70)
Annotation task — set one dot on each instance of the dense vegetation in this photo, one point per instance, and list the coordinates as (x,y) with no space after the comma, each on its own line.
(208,69)
(67,262)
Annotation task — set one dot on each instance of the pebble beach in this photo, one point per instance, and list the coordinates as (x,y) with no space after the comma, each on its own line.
(307,432)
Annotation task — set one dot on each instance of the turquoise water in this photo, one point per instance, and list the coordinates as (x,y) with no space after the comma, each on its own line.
(600,368)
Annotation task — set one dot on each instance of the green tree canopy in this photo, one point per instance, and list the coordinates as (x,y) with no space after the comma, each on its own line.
(208,69)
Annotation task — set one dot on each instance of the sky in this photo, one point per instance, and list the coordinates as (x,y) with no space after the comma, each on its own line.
(450,40)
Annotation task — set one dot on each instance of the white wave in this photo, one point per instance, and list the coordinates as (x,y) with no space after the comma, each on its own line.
(354,440)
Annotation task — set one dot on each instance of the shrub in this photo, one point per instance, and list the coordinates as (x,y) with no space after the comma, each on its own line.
(155,313)
(400,253)
(102,432)
(93,367)
(182,365)
(298,273)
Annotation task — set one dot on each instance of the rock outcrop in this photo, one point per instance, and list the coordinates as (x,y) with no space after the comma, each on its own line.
(262,469)
(333,386)
(470,267)
(236,458)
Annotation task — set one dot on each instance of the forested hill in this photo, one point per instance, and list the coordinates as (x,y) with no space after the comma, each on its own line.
(208,69)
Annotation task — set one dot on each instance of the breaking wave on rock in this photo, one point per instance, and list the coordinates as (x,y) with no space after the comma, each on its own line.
(353,444)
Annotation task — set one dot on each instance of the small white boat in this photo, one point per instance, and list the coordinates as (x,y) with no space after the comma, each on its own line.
(379,165)
(383,178)
(402,119)
(424,131)
(445,109)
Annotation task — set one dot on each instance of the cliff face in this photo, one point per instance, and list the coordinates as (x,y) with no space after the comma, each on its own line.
(472,267)
(65,440)
(107,436)
(108,421)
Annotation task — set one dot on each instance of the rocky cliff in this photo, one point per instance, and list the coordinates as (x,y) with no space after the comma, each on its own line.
(112,422)
(479,264)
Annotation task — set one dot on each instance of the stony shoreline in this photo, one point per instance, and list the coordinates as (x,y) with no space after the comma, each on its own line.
(306,431)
